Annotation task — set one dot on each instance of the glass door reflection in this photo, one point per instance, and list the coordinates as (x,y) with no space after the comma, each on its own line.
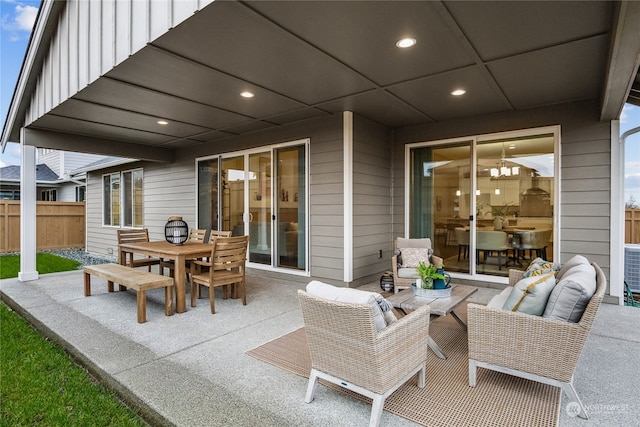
(260,208)
(440,201)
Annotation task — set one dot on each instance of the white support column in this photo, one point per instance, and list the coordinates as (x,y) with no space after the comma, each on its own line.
(27,212)
(347,157)
(616,237)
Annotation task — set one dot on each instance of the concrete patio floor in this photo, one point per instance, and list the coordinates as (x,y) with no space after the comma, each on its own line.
(191,369)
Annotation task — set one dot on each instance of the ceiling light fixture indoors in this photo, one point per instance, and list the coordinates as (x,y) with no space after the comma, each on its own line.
(406,42)
(458,92)
(246,94)
(503,169)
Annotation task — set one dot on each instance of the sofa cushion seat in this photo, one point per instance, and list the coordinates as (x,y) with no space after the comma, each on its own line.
(499,300)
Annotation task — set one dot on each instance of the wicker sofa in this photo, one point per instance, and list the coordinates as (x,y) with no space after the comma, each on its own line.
(351,346)
(538,348)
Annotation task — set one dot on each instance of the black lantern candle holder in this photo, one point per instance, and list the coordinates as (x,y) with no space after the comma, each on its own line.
(176,231)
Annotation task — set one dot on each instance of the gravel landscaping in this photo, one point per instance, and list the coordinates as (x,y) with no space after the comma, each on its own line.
(82,256)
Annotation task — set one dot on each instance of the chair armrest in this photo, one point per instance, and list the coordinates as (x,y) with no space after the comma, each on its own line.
(195,266)
(515,276)
(524,342)
(404,344)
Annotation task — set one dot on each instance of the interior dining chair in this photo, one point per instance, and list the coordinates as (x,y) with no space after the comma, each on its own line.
(195,235)
(490,243)
(462,238)
(225,267)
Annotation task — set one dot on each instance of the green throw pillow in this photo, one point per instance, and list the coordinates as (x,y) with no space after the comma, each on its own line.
(530,295)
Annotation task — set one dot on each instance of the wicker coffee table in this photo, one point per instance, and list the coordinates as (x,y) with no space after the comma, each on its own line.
(406,301)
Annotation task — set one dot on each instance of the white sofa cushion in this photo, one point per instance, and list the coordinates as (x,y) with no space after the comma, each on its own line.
(530,295)
(355,296)
(499,300)
(570,297)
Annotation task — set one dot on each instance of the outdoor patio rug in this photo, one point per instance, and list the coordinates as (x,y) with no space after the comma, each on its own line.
(447,400)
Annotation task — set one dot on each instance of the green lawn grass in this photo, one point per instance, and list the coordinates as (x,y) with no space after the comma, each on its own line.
(45,263)
(40,384)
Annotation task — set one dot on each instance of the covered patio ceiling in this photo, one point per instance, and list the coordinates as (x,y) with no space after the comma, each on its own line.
(304,60)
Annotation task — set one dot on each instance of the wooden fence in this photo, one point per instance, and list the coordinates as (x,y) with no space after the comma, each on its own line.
(58,225)
(632,226)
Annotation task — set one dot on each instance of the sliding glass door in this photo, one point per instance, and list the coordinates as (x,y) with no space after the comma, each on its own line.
(440,200)
(487,202)
(252,194)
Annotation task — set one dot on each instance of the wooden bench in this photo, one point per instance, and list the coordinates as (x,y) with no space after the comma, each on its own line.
(127,277)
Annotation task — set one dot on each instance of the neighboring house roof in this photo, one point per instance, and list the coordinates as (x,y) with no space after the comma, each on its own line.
(307,60)
(43,174)
(103,163)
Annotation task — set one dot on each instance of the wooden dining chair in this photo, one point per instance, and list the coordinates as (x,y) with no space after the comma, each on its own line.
(195,235)
(136,236)
(218,233)
(225,267)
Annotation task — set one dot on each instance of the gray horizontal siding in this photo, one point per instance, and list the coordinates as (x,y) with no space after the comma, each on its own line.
(167,191)
(371,201)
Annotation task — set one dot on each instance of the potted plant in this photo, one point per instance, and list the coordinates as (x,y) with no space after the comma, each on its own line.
(428,273)
(430,276)
(499,214)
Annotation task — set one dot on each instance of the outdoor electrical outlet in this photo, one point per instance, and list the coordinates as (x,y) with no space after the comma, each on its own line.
(110,251)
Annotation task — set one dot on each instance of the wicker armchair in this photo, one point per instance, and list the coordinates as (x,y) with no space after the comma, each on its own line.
(404,277)
(347,350)
(532,347)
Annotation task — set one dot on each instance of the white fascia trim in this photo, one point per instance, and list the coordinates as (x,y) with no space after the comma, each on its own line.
(347,143)
(27,69)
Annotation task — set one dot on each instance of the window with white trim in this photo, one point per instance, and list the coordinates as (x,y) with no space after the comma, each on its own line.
(122,199)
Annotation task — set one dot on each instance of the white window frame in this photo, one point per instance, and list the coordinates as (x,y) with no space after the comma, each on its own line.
(555,130)
(122,199)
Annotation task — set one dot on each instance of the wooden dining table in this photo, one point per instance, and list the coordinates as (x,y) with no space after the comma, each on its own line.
(178,253)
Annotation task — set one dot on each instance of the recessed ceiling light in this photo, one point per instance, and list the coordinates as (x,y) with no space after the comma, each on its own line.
(458,92)
(406,42)
(163,122)
(246,94)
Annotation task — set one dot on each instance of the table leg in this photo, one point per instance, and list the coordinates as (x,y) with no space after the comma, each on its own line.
(87,284)
(179,278)
(436,348)
(459,319)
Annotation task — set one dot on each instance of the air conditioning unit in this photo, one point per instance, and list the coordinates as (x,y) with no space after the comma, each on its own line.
(632,267)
